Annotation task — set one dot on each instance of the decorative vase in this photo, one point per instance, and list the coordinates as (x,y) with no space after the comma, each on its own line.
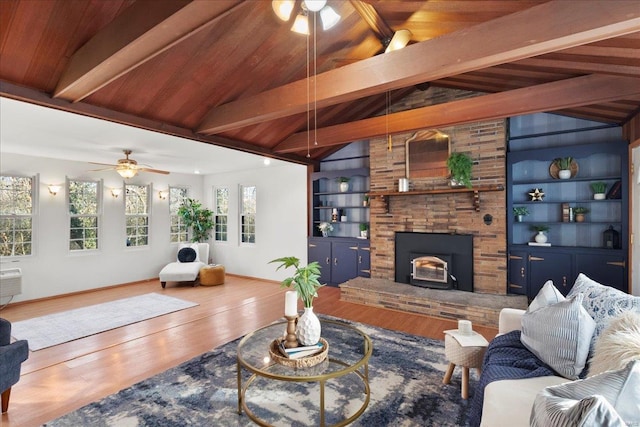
(599,196)
(564,174)
(541,237)
(308,329)
(519,218)
(325,233)
(344,186)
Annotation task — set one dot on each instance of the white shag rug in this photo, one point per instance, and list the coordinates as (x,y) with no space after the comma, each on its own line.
(58,328)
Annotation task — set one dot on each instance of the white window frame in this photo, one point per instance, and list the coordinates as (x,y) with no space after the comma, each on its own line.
(138,215)
(245,214)
(97,215)
(12,216)
(219,213)
(181,233)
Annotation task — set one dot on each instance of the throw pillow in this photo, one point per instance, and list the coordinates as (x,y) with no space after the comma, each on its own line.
(193,246)
(559,335)
(609,399)
(186,255)
(548,295)
(602,302)
(617,345)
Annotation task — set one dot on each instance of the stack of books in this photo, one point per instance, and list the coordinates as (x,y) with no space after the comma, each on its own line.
(300,352)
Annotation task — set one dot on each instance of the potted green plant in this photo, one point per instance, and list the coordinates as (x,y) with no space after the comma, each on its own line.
(580,212)
(344,183)
(519,212)
(305,283)
(540,237)
(459,165)
(364,230)
(197,218)
(365,200)
(599,189)
(564,166)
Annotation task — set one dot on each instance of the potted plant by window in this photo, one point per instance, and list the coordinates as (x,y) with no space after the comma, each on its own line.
(540,228)
(580,212)
(305,282)
(197,218)
(364,230)
(564,166)
(344,183)
(519,212)
(459,165)
(599,188)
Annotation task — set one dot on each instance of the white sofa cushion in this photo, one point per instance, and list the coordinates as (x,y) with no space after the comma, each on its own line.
(548,295)
(560,335)
(509,402)
(609,399)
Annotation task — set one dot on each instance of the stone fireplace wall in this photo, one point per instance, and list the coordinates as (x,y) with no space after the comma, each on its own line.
(443,213)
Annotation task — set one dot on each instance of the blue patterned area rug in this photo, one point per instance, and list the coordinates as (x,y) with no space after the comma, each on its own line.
(405,375)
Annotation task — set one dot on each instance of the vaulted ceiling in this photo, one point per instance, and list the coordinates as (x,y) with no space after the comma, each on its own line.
(230,73)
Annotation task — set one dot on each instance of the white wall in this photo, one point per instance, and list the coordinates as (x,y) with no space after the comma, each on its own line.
(281,222)
(54,270)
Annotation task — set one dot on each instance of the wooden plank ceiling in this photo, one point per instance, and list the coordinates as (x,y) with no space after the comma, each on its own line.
(230,73)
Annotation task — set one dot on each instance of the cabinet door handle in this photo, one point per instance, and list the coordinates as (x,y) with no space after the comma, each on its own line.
(564,281)
(617,263)
(514,257)
(522,272)
(311,245)
(327,261)
(511,285)
(535,258)
(366,271)
(355,248)
(335,261)
(366,249)
(359,259)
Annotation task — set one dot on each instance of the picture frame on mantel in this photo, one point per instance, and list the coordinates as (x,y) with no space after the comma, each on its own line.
(426,154)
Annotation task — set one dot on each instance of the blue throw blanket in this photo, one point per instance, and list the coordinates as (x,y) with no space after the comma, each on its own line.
(506,359)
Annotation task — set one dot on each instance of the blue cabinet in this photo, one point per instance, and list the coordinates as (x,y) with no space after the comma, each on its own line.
(572,247)
(341,259)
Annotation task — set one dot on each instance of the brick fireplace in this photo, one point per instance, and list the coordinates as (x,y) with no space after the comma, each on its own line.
(443,213)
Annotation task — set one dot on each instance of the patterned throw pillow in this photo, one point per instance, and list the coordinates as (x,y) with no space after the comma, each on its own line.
(603,303)
(609,399)
(559,335)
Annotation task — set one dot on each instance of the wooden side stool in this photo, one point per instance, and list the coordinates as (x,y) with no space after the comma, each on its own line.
(466,357)
(211,275)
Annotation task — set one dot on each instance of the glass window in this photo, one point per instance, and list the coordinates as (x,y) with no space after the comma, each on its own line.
(84,208)
(221,213)
(16,215)
(248,214)
(137,214)
(178,231)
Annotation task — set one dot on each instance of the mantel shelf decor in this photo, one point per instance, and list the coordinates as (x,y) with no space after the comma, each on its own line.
(384,195)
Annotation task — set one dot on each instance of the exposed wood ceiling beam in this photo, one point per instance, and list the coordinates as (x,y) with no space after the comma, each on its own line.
(541,29)
(21,93)
(371,16)
(569,93)
(144,30)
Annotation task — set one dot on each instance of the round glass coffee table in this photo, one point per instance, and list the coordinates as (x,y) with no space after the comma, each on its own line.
(340,383)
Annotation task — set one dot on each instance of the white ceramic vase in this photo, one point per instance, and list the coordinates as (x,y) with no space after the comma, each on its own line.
(344,187)
(599,196)
(541,237)
(308,329)
(564,174)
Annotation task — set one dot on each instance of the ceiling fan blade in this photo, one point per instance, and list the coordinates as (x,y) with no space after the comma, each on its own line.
(153,170)
(103,164)
(101,169)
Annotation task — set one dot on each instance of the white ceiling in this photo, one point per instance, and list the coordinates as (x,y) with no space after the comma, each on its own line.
(33,130)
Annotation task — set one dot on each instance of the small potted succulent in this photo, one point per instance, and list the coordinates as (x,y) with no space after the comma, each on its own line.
(519,212)
(564,166)
(599,189)
(459,165)
(580,212)
(364,230)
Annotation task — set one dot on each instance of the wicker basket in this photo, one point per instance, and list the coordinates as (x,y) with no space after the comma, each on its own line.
(303,362)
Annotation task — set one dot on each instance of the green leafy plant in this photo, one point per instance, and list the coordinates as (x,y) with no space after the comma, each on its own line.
(342,179)
(563,163)
(598,187)
(364,226)
(304,281)
(580,210)
(199,219)
(459,165)
(539,227)
(520,210)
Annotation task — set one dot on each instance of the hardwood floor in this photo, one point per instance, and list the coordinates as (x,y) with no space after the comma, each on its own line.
(60,379)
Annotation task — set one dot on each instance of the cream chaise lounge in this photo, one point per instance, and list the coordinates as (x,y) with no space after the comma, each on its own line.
(191,258)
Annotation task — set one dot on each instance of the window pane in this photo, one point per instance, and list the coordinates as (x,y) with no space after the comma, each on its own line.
(83,210)
(222,211)
(137,215)
(248,214)
(178,230)
(16,207)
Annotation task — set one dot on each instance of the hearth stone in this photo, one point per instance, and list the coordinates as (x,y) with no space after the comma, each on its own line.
(481,309)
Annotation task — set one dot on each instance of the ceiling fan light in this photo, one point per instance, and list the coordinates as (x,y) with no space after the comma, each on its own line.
(315,5)
(329,17)
(399,40)
(126,172)
(301,25)
(283,8)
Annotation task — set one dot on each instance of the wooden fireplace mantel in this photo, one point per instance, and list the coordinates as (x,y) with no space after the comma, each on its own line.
(475,191)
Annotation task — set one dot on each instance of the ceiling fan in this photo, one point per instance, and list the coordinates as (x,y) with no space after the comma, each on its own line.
(128,168)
